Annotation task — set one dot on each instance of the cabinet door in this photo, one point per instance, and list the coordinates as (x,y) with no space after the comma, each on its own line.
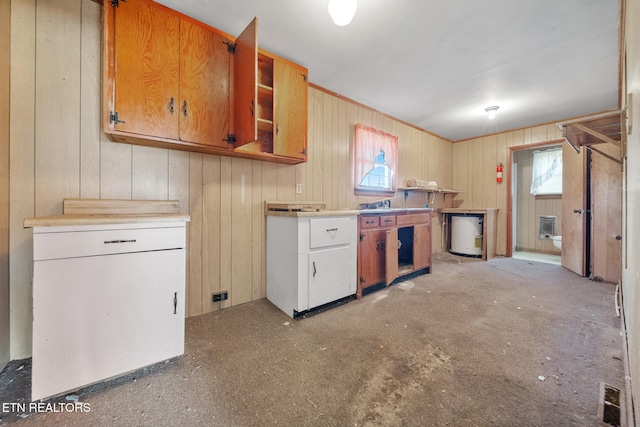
(290,109)
(371,258)
(421,246)
(102,316)
(329,275)
(245,69)
(391,255)
(147,43)
(203,106)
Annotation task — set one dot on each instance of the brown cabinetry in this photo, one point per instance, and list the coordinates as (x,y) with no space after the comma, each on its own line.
(271,101)
(170,79)
(392,247)
(168,82)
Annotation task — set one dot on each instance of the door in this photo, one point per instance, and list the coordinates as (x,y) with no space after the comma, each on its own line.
(606,218)
(245,69)
(97,317)
(329,275)
(391,255)
(203,106)
(147,52)
(421,246)
(371,262)
(574,210)
(290,115)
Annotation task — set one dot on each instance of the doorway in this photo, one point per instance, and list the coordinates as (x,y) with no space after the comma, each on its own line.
(536,200)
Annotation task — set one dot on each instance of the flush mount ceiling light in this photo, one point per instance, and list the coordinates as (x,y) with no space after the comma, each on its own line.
(342,11)
(491,111)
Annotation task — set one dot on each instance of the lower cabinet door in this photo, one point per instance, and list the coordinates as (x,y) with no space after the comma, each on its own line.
(98,317)
(330,274)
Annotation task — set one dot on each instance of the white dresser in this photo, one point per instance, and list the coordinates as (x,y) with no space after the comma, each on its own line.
(311,258)
(107,298)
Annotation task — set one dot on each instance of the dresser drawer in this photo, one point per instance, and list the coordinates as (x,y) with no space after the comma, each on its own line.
(369,221)
(387,220)
(70,244)
(411,219)
(330,232)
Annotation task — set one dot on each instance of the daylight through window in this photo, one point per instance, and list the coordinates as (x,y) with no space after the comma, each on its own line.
(376,163)
(547,172)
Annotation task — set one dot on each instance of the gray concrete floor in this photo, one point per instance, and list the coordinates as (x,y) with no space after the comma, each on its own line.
(500,343)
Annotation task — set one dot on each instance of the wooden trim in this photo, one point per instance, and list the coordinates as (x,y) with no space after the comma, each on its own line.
(577,118)
(548,196)
(374,193)
(509,251)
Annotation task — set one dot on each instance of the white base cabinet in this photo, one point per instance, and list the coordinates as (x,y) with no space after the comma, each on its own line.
(311,261)
(107,300)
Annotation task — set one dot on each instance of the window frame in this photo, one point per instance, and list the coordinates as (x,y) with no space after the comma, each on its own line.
(367,137)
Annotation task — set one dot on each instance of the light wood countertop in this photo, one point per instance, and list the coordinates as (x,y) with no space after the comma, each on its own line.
(61,220)
(313,213)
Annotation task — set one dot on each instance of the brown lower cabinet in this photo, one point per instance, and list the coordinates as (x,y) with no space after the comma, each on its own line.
(392,246)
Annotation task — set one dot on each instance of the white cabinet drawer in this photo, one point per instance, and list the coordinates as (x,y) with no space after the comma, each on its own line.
(70,244)
(330,231)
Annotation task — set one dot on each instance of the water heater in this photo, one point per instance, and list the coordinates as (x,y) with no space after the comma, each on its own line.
(466,235)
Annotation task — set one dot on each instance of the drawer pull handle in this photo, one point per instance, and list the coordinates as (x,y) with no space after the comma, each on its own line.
(175,302)
(329,230)
(314,269)
(106,242)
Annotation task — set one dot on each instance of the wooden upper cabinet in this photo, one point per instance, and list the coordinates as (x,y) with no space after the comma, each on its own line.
(204,86)
(246,85)
(147,48)
(170,81)
(270,101)
(290,111)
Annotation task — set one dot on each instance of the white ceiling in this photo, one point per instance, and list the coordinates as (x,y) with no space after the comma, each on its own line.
(438,64)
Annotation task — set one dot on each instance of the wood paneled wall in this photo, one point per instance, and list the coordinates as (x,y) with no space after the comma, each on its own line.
(58,151)
(529,208)
(474,170)
(5,77)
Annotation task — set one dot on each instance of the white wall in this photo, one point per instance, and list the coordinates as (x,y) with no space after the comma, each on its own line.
(631,203)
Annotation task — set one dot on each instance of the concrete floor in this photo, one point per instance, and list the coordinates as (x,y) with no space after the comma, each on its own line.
(499,343)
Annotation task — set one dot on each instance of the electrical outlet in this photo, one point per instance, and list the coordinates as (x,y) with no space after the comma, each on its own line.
(220,296)
(298,188)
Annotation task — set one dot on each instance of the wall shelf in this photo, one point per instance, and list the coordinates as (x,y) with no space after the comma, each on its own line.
(605,128)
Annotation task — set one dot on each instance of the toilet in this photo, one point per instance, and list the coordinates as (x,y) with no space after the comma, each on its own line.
(557,241)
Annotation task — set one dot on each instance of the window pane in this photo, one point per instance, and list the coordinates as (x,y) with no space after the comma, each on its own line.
(547,172)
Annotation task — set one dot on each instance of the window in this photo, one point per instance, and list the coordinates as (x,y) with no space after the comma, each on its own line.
(376,160)
(547,172)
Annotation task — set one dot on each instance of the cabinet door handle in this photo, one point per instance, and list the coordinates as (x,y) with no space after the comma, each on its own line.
(175,303)
(184,108)
(314,269)
(106,242)
(251,107)
(171,105)
(277,129)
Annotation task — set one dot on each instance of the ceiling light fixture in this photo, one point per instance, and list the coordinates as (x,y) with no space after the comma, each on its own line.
(491,111)
(342,11)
